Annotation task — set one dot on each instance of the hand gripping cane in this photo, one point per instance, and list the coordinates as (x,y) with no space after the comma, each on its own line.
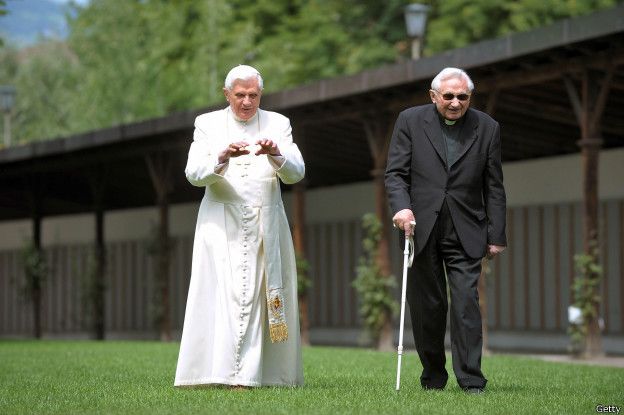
(408,258)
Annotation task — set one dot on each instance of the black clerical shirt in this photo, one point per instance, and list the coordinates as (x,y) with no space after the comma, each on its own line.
(452,140)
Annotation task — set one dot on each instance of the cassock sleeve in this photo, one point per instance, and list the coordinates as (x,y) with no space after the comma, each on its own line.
(494,192)
(398,173)
(292,169)
(203,168)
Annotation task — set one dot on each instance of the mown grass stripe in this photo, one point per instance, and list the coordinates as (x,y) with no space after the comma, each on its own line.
(84,377)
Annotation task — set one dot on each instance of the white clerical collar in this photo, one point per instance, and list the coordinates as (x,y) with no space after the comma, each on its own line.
(240,120)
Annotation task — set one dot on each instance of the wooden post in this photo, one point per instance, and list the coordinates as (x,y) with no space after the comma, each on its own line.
(160,166)
(378,128)
(97,286)
(299,222)
(588,109)
(299,241)
(33,193)
(299,217)
(490,107)
(36,294)
(590,149)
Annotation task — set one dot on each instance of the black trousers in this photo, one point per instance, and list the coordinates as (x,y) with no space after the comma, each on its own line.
(427,298)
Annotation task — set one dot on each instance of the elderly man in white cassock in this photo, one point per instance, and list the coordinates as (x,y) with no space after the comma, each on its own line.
(241,326)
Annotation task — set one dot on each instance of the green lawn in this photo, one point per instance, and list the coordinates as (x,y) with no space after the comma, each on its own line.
(73,377)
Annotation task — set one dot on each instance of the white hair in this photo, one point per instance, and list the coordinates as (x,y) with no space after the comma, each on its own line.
(243,73)
(451,73)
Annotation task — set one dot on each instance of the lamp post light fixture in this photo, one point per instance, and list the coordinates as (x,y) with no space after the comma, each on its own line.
(7,102)
(415,21)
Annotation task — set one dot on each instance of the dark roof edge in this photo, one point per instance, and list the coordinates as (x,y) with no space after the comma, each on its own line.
(111,135)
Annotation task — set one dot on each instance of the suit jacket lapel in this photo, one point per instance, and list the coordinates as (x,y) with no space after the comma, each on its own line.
(468,134)
(433,131)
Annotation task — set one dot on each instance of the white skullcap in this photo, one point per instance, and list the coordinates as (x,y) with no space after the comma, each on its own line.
(243,72)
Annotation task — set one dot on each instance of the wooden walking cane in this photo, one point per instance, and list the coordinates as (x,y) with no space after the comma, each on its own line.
(408,258)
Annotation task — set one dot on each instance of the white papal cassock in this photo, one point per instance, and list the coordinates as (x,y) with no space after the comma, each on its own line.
(242,235)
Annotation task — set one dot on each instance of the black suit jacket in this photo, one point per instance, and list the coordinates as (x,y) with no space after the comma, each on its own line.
(417,177)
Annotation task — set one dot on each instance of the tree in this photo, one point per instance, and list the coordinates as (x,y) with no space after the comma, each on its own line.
(2,13)
(303,287)
(322,39)
(44,77)
(124,71)
(456,23)
(131,60)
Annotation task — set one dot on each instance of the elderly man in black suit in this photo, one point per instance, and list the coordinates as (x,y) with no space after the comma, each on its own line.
(444,172)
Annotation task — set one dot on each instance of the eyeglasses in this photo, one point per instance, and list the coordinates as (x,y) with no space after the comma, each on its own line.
(449,97)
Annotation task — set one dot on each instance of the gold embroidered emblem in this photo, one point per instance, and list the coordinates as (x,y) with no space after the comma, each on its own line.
(277,322)
(276,303)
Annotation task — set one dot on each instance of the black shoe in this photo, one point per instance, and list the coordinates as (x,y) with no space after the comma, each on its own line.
(432,388)
(473,390)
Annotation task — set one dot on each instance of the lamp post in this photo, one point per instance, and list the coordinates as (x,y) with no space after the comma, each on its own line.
(415,21)
(7,101)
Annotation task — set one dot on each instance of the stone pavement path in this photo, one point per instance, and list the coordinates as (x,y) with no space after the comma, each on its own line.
(609,361)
